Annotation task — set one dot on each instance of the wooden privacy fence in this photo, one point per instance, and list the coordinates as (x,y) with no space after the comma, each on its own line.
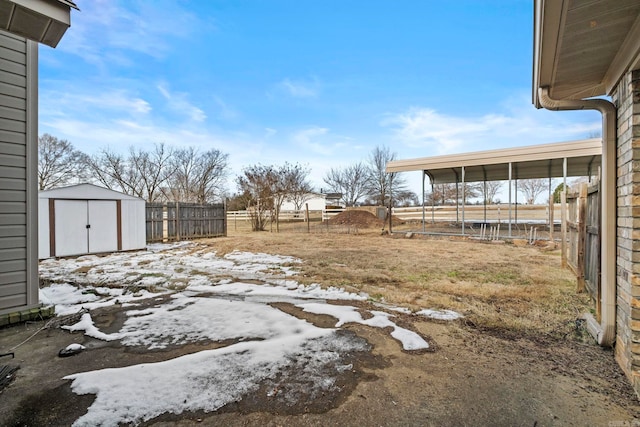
(168,222)
(583,250)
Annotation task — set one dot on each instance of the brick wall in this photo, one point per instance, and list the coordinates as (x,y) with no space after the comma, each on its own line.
(627,100)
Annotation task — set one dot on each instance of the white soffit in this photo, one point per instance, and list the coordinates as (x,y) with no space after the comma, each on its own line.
(535,161)
(44,21)
(583,47)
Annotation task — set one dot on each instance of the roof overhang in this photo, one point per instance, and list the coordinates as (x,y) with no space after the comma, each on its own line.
(582,48)
(44,21)
(535,161)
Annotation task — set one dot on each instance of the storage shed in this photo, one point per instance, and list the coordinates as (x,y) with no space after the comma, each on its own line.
(85,218)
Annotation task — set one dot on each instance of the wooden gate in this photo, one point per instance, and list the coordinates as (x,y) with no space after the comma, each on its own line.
(583,250)
(181,221)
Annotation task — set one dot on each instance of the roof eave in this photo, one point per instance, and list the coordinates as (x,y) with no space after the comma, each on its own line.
(547,24)
(551,27)
(43,21)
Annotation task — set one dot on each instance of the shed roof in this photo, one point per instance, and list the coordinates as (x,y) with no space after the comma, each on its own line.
(534,161)
(85,192)
(582,48)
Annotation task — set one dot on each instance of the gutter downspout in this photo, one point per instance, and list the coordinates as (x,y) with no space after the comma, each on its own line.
(603,332)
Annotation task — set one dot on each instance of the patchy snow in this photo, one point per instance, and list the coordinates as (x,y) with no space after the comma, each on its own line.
(213,299)
(439,314)
(210,379)
(74,347)
(277,292)
(166,266)
(69,299)
(64,295)
(348,314)
(192,319)
(86,324)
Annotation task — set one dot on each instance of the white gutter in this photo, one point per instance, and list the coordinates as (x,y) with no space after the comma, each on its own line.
(603,332)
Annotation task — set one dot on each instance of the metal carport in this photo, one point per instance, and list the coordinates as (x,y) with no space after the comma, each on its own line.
(562,159)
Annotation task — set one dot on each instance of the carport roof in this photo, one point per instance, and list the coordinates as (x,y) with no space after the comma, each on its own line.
(534,161)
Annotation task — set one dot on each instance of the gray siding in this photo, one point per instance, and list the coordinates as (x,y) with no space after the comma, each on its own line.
(15,292)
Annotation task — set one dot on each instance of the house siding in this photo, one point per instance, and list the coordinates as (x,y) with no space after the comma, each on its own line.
(627,100)
(18,130)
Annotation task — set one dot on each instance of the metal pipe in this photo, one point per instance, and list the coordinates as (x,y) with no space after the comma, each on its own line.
(510,198)
(423,213)
(464,198)
(603,332)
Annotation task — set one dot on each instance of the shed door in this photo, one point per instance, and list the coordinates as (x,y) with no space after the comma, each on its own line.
(83,226)
(70,227)
(103,230)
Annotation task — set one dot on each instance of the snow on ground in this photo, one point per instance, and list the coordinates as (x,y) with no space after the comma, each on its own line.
(69,299)
(171,266)
(348,314)
(213,300)
(206,380)
(439,314)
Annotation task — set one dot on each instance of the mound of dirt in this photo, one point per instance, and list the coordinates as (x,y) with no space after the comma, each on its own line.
(356,218)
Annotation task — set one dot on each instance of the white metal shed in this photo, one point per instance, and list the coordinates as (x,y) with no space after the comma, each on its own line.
(85,218)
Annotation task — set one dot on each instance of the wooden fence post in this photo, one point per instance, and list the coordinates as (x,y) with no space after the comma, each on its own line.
(582,237)
(177,222)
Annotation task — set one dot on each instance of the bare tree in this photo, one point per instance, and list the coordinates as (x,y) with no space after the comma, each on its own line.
(350,181)
(184,175)
(256,185)
(381,184)
(452,193)
(405,198)
(298,187)
(112,170)
(152,168)
(490,190)
(532,188)
(196,177)
(59,163)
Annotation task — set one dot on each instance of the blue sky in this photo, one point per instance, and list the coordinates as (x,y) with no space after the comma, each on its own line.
(315,82)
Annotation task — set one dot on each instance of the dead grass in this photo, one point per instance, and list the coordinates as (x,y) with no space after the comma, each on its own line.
(520,290)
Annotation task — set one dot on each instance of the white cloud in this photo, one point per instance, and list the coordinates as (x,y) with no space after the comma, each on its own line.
(438,133)
(114,100)
(300,89)
(103,26)
(224,110)
(307,139)
(179,103)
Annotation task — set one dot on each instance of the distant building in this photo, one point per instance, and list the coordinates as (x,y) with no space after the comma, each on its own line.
(316,202)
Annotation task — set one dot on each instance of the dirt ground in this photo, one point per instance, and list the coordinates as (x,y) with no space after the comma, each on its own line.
(518,357)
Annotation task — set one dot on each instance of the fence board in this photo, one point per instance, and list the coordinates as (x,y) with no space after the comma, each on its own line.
(583,254)
(182,221)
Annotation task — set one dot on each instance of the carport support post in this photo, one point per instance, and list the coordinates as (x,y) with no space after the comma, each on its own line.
(464,194)
(551,220)
(563,214)
(457,200)
(433,204)
(485,200)
(510,170)
(424,229)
